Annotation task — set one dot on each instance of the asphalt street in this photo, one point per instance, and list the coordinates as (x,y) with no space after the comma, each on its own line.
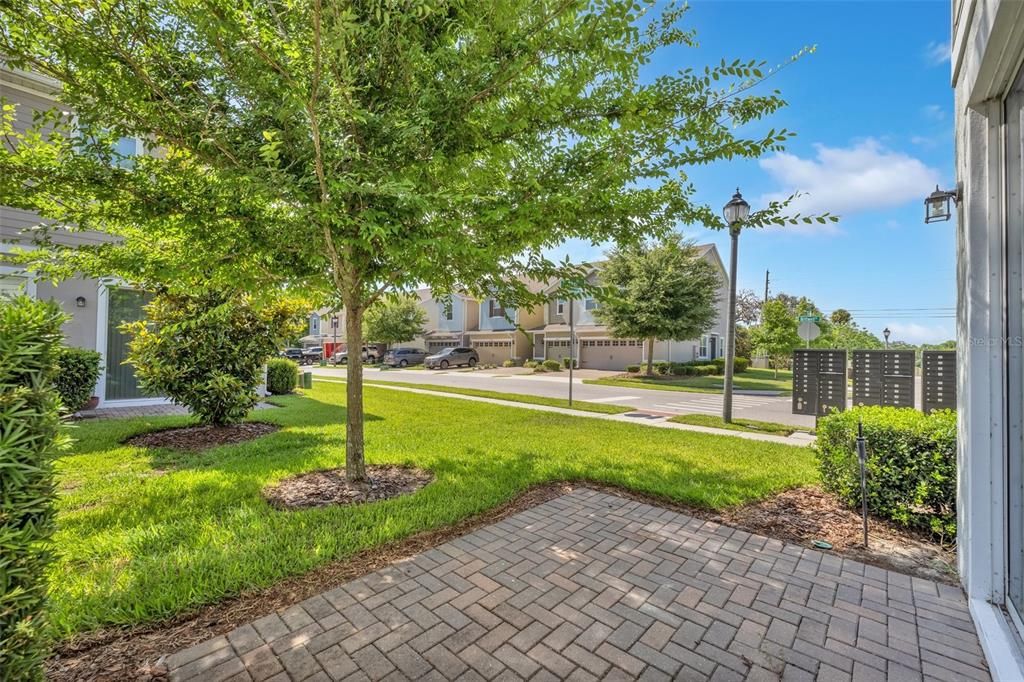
(761,407)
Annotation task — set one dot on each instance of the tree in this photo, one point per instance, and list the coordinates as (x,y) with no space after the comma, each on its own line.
(777,334)
(351,150)
(658,291)
(744,346)
(206,351)
(394,320)
(748,307)
(852,337)
(841,316)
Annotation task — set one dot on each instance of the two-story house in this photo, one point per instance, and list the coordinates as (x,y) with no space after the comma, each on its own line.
(596,348)
(96,308)
(449,320)
(505,332)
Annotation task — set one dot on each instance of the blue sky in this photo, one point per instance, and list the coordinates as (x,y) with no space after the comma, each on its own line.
(873,113)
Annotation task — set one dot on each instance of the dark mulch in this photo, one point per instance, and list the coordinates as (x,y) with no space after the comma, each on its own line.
(195,438)
(326,488)
(798,516)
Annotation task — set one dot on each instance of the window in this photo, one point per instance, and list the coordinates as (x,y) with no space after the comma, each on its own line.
(704,346)
(560,306)
(12,285)
(590,304)
(448,308)
(496,309)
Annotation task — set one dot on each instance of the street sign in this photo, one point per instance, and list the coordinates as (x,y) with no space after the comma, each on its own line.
(810,318)
(809,331)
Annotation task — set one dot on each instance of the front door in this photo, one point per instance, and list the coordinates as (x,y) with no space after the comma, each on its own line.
(123,305)
(713,347)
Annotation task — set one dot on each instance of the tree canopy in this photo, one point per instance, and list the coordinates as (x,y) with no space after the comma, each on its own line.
(776,336)
(659,291)
(394,320)
(359,148)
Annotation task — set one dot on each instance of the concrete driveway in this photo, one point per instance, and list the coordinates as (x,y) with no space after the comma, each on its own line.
(556,385)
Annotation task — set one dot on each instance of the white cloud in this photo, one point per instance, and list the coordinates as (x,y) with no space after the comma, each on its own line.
(934,112)
(845,180)
(915,333)
(936,53)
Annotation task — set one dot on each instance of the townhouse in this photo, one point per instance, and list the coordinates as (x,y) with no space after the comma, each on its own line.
(96,308)
(499,332)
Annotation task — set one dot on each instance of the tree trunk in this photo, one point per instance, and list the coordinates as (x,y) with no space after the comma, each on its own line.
(355,464)
(650,356)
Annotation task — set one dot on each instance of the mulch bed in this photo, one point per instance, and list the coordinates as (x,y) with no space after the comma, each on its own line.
(195,438)
(326,488)
(798,516)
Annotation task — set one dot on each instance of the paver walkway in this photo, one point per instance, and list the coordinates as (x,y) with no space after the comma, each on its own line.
(591,586)
(163,409)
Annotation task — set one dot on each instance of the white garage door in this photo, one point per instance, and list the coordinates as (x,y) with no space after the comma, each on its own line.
(612,354)
(557,349)
(493,352)
(438,346)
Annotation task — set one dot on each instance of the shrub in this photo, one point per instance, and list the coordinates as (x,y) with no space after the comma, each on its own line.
(633,369)
(663,368)
(206,351)
(704,370)
(719,364)
(740,365)
(911,464)
(680,369)
(77,372)
(282,375)
(552,365)
(531,364)
(509,363)
(29,430)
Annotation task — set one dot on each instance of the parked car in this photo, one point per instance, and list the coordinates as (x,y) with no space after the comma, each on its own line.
(369,356)
(452,357)
(292,354)
(403,357)
(312,355)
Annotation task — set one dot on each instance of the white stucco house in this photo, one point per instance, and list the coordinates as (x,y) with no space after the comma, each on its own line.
(988,79)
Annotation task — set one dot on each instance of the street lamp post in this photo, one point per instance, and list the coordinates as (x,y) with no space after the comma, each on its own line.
(735,212)
(885,333)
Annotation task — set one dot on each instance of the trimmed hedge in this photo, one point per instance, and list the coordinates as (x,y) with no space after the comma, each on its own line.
(30,339)
(911,464)
(77,372)
(552,365)
(282,375)
(633,369)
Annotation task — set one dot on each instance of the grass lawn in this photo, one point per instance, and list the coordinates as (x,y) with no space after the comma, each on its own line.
(144,534)
(751,425)
(515,397)
(752,380)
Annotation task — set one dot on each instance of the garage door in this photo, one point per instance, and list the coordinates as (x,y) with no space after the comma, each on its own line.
(493,352)
(612,354)
(557,349)
(438,346)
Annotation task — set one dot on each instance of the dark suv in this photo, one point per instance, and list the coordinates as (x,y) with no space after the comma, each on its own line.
(403,357)
(292,354)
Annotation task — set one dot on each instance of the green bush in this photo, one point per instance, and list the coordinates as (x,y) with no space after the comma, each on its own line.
(552,365)
(206,351)
(633,369)
(681,369)
(911,464)
(566,361)
(282,375)
(509,363)
(77,372)
(663,368)
(740,365)
(531,364)
(30,340)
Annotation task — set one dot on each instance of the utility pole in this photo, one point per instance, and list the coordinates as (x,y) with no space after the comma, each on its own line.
(765,289)
(572,344)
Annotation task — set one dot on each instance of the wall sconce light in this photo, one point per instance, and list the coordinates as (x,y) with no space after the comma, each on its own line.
(80,302)
(936,206)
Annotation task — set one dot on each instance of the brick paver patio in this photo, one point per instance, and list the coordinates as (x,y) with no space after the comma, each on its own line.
(591,586)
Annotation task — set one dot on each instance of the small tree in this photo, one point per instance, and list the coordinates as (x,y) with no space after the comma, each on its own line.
(777,334)
(397,320)
(841,316)
(748,307)
(206,351)
(658,291)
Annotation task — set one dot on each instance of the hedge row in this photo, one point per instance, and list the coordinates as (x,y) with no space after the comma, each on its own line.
(699,368)
(30,348)
(911,464)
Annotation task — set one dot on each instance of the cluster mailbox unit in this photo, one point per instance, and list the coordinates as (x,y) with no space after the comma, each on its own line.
(883,377)
(819,381)
(938,369)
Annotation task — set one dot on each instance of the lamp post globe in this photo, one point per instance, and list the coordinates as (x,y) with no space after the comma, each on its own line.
(735,212)
(885,333)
